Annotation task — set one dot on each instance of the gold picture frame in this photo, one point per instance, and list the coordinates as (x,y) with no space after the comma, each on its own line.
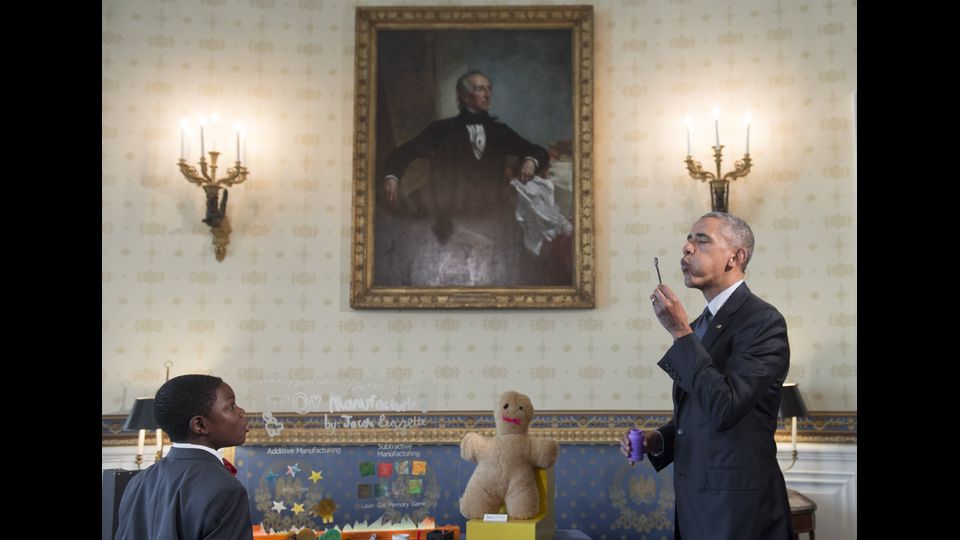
(456,236)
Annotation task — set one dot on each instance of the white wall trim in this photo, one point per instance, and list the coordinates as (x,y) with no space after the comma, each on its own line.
(827,474)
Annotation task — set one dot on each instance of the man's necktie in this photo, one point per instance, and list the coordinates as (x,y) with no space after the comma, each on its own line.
(481,140)
(700,327)
(478,139)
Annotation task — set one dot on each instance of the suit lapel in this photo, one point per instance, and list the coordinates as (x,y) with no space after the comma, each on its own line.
(717,326)
(721,320)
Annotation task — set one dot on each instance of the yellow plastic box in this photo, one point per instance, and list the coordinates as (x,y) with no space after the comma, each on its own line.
(542,526)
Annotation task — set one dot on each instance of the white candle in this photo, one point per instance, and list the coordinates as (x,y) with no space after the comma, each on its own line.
(203,151)
(140,441)
(159,443)
(716,123)
(245,155)
(793,433)
(239,129)
(748,134)
(687,121)
(183,129)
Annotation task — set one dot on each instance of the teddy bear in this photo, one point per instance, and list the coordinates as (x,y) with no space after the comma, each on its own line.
(506,462)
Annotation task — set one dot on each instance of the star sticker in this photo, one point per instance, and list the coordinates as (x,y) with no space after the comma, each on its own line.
(316,475)
(271,477)
(278,506)
(292,470)
(297,508)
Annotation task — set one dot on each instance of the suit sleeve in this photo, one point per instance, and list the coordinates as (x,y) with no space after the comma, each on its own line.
(420,147)
(666,457)
(228,517)
(760,355)
(521,147)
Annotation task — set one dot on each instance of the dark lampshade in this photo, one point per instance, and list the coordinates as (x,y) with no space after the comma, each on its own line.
(791,402)
(141,416)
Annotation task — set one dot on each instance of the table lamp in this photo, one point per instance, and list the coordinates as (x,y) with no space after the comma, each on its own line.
(792,406)
(141,418)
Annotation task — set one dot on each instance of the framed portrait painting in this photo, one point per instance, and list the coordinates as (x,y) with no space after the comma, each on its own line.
(473,158)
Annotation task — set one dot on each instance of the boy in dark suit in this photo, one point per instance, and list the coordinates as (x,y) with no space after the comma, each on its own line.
(189,494)
(728,370)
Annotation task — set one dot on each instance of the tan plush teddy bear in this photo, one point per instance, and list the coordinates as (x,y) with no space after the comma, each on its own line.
(505,462)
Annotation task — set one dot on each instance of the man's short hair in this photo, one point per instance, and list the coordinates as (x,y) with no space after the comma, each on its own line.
(180,399)
(737,233)
(464,86)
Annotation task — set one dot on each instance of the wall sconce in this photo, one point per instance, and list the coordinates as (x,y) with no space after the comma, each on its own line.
(792,406)
(141,418)
(207,179)
(719,183)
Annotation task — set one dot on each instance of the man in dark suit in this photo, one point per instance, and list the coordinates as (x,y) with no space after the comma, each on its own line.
(468,155)
(472,158)
(189,494)
(727,371)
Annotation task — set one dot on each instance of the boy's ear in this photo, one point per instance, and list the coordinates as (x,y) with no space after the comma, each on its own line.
(198,425)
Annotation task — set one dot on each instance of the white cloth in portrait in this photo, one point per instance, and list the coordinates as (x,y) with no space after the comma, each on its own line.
(538,213)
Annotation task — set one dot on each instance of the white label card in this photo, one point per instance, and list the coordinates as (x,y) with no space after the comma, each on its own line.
(498,518)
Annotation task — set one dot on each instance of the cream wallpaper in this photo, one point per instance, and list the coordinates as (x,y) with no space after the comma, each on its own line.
(274,315)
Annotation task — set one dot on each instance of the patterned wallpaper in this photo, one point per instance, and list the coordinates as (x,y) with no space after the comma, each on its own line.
(275,312)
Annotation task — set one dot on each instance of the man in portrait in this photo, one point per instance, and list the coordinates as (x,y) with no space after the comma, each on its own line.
(468,201)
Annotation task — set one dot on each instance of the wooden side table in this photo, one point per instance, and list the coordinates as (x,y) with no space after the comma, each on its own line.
(802,512)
